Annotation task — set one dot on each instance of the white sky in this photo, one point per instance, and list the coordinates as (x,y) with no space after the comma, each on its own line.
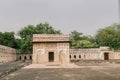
(86,16)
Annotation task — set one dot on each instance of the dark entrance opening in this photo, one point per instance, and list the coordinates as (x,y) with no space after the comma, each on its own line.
(20,58)
(106,56)
(30,57)
(25,58)
(70,56)
(51,56)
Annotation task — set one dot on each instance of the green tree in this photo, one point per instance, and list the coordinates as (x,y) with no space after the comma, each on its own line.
(45,29)
(8,39)
(78,40)
(27,32)
(109,36)
(85,44)
(1,38)
(75,36)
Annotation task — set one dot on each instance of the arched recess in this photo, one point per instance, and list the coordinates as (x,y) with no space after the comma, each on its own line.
(79,56)
(25,57)
(30,57)
(20,58)
(74,56)
(62,56)
(70,56)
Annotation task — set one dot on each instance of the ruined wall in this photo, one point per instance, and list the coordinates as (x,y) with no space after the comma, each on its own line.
(116,55)
(85,54)
(7,54)
(24,57)
(102,53)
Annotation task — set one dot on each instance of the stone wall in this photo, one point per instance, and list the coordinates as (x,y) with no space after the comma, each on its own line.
(116,55)
(7,54)
(87,54)
(24,57)
(102,53)
(41,53)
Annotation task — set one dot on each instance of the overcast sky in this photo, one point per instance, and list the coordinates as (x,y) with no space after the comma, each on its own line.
(86,16)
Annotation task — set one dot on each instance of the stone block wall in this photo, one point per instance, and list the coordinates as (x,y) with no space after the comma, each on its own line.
(85,54)
(50,48)
(41,52)
(7,54)
(24,57)
(102,53)
(116,55)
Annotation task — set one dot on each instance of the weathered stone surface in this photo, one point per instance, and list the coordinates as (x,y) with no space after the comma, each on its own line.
(102,53)
(9,67)
(54,48)
(50,38)
(7,54)
(49,48)
(106,72)
(24,57)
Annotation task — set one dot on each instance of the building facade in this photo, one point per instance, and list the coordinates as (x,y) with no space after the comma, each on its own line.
(50,48)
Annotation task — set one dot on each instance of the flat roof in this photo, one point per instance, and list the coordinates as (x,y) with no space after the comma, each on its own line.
(50,38)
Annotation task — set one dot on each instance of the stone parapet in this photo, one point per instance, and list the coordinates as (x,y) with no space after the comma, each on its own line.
(7,54)
(5,49)
(50,38)
(90,50)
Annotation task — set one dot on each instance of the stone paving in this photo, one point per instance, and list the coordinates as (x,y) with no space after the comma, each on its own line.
(9,67)
(89,72)
(72,65)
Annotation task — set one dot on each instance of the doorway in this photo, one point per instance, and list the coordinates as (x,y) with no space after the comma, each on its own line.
(25,58)
(20,58)
(51,57)
(106,56)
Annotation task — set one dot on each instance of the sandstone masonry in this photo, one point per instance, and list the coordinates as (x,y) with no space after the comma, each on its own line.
(54,49)
(50,48)
(102,53)
(7,54)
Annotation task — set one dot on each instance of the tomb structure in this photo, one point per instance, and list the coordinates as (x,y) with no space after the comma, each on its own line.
(50,49)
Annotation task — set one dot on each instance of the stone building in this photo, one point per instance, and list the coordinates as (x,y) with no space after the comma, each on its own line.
(7,54)
(54,49)
(50,48)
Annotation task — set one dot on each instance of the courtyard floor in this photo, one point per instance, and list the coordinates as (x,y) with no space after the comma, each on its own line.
(75,72)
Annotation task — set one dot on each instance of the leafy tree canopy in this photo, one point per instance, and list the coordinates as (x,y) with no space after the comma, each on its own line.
(78,40)
(8,39)
(27,32)
(109,36)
